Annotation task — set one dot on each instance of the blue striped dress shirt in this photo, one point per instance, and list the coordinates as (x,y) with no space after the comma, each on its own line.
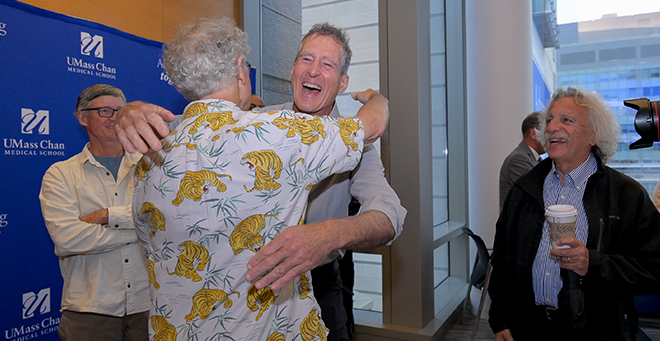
(545,271)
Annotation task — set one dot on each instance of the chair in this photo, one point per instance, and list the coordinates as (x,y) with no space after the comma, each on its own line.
(480,277)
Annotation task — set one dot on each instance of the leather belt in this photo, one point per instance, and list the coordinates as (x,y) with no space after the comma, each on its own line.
(549,312)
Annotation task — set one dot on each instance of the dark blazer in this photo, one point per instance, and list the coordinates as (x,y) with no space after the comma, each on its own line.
(624,254)
(519,162)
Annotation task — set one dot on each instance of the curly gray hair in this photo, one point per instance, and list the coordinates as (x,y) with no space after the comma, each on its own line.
(604,127)
(338,34)
(203,57)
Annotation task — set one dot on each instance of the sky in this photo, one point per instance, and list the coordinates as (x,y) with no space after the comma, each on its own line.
(582,10)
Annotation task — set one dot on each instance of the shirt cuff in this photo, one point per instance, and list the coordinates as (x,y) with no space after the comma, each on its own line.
(121,218)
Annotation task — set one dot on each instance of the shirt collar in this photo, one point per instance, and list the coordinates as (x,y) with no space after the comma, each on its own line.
(536,155)
(89,157)
(580,175)
(334,113)
(219,104)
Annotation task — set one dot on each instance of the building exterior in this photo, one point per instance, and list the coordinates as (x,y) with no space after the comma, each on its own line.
(618,57)
(545,42)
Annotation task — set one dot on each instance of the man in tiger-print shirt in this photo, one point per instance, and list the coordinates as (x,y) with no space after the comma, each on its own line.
(225,185)
(315,245)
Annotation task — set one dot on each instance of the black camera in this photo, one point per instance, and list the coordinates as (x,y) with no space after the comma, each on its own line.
(646,121)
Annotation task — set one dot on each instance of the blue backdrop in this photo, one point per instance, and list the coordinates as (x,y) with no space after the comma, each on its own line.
(46,60)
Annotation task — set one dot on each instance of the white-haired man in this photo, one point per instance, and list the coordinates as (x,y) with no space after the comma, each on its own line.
(588,293)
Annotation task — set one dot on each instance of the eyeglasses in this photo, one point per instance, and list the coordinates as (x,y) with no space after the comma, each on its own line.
(248,64)
(104,111)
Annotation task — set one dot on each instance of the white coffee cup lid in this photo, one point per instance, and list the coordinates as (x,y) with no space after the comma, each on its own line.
(562,212)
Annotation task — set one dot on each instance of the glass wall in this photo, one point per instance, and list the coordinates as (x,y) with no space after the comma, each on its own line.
(439,135)
(404,50)
(438,111)
(429,145)
(360,20)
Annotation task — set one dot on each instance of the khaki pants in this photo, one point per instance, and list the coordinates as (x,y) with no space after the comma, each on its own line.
(75,326)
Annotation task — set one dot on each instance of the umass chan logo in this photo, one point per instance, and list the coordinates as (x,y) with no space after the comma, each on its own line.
(34,305)
(91,46)
(33,123)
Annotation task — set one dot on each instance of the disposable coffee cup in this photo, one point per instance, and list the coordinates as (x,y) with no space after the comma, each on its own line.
(561,223)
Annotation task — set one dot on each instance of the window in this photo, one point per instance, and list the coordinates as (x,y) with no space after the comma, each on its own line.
(623,74)
(438,112)
(439,139)
(414,76)
(360,20)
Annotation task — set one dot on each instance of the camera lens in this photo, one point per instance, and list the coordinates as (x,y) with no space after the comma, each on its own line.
(646,121)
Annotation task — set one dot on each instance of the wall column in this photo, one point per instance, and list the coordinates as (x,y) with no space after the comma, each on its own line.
(500,93)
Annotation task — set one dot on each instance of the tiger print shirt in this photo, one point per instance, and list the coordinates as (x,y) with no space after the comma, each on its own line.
(226,183)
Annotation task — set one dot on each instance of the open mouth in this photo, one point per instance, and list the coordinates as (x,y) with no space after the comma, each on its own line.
(558,140)
(309,87)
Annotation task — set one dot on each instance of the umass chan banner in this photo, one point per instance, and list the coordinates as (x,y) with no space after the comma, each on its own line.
(46,60)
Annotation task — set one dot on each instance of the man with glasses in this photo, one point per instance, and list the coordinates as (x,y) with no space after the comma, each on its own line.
(86,204)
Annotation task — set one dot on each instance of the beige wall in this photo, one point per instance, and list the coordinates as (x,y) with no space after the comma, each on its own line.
(152,19)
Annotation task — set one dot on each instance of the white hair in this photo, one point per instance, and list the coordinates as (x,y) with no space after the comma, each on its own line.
(604,127)
(203,57)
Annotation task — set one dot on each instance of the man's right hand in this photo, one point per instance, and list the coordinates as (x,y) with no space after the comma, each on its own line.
(137,125)
(504,335)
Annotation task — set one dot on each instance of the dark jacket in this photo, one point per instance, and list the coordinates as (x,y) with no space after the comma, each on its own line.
(624,254)
(520,161)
